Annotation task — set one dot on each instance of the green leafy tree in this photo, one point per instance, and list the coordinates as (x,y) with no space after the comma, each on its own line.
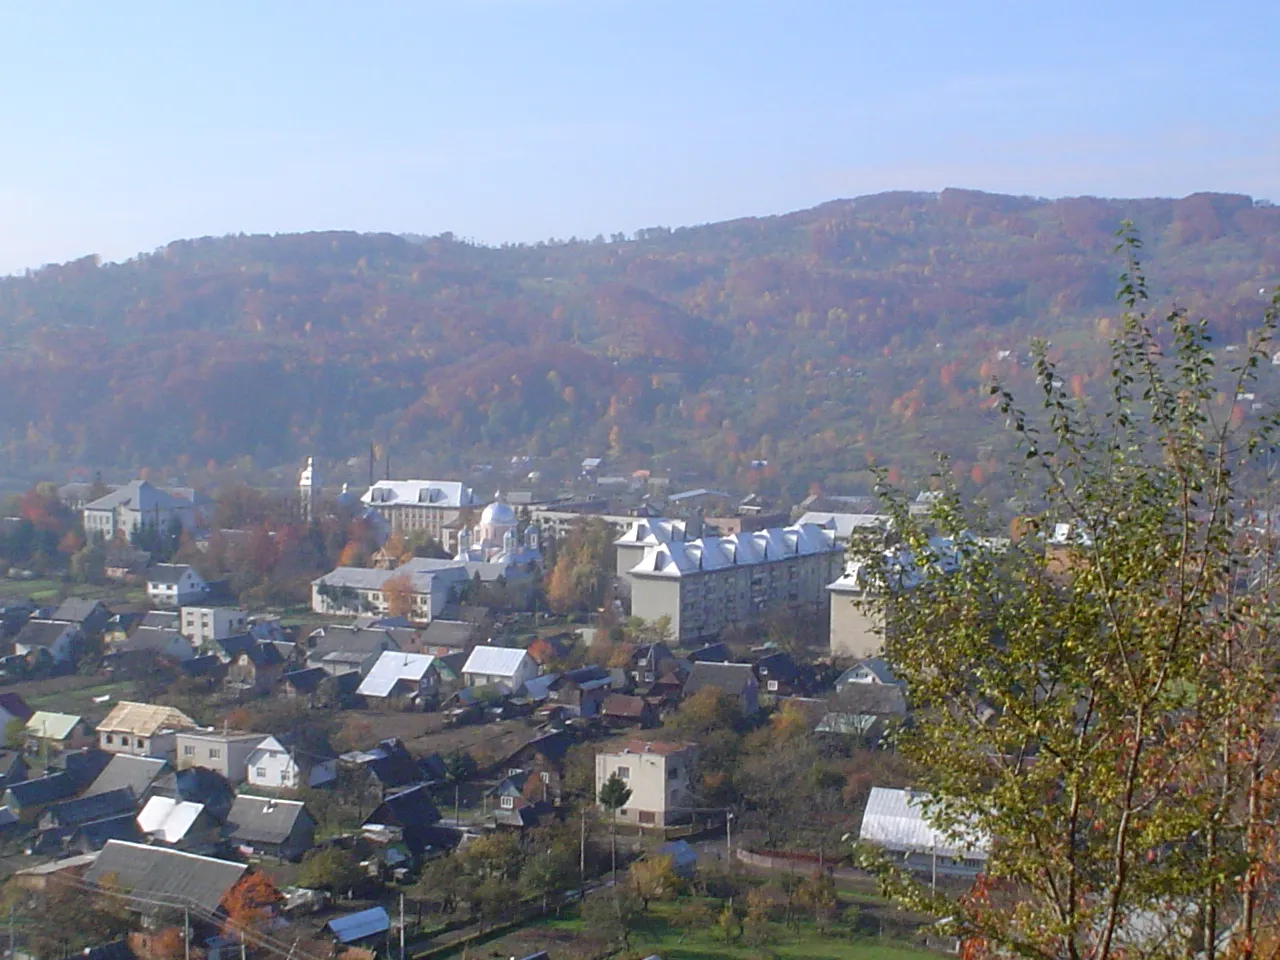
(331,868)
(653,878)
(1102,706)
(548,872)
(613,797)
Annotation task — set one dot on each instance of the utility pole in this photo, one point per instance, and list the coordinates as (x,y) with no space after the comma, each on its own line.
(582,854)
(242,951)
(402,926)
(457,809)
(186,933)
(728,836)
(13,950)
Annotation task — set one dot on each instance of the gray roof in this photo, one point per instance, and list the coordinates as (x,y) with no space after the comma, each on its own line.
(112,803)
(169,875)
(149,638)
(41,633)
(264,819)
(136,773)
(731,678)
(141,496)
(77,609)
(161,619)
(871,699)
(346,640)
(168,573)
(42,790)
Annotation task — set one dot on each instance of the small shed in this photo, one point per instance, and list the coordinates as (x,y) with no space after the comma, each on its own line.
(355,927)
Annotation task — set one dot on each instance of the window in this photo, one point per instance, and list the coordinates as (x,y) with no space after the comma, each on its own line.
(260,773)
(673,772)
(189,751)
(138,743)
(646,816)
(111,738)
(508,803)
(215,753)
(514,771)
(773,685)
(624,773)
(544,776)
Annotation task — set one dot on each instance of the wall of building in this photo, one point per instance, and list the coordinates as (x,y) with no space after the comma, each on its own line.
(855,632)
(657,798)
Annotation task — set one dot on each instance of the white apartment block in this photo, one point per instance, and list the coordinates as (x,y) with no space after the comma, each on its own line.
(203,625)
(409,506)
(711,583)
(660,776)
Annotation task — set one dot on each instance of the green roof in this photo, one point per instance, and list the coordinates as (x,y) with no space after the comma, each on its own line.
(50,725)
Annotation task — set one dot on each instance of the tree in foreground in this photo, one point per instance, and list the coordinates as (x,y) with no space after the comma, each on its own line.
(1100,703)
(613,797)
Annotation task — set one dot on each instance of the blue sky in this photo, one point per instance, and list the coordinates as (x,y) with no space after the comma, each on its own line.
(128,125)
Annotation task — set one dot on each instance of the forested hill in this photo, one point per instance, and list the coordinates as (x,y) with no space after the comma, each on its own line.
(814,340)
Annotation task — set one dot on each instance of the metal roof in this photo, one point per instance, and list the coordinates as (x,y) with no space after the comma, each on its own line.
(169,875)
(495,661)
(357,926)
(51,726)
(896,820)
(392,667)
(263,819)
(168,819)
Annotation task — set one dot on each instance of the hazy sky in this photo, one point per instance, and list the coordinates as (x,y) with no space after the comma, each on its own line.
(126,125)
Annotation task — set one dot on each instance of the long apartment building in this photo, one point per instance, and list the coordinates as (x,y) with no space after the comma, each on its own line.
(707,584)
(412,505)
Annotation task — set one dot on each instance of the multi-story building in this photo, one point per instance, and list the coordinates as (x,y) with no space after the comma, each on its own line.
(857,617)
(703,586)
(203,625)
(426,584)
(660,776)
(410,506)
(142,729)
(226,753)
(138,504)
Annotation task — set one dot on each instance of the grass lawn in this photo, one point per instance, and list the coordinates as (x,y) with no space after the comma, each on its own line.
(80,700)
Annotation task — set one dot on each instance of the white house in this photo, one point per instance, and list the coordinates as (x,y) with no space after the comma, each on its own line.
(57,638)
(272,764)
(351,591)
(203,625)
(175,585)
(396,674)
(507,667)
(226,753)
(139,504)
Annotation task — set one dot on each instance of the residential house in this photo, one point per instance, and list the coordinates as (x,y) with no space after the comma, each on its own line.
(275,763)
(48,733)
(55,638)
(268,826)
(628,710)
(121,625)
(310,683)
(388,766)
(13,768)
(703,586)
(409,816)
(84,765)
(711,653)
(255,671)
(512,806)
(660,776)
(167,876)
(199,785)
(136,774)
(93,836)
(152,642)
(139,504)
(581,691)
(897,821)
(542,760)
(445,636)
(142,729)
(60,820)
(864,711)
(736,680)
(402,676)
(90,616)
(125,561)
(505,667)
(428,586)
(871,670)
(650,662)
(225,752)
(175,585)
(429,506)
(28,798)
(339,650)
(778,674)
(13,710)
(178,823)
(203,625)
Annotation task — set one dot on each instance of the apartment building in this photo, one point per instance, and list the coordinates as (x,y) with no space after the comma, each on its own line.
(708,584)
(660,776)
(409,506)
(203,625)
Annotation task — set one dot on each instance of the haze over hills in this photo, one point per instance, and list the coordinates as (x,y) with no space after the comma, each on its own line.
(815,340)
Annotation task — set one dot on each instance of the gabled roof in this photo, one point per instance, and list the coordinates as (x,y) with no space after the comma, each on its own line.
(896,820)
(167,819)
(167,875)
(168,573)
(52,726)
(164,619)
(447,633)
(553,746)
(110,803)
(42,790)
(15,706)
(871,670)
(357,926)
(391,668)
(134,773)
(264,819)
(350,640)
(96,833)
(871,699)
(678,559)
(844,524)
(42,633)
(152,639)
(138,495)
(412,811)
(711,653)
(623,705)
(78,610)
(262,655)
(733,679)
(144,719)
(495,661)
(777,666)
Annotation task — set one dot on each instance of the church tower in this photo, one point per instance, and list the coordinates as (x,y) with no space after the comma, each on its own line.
(308,488)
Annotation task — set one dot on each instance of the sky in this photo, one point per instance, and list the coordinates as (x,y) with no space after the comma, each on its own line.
(127,125)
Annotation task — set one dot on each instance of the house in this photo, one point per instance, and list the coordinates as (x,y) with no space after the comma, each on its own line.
(48,733)
(84,765)
(142,729)
(310,683)
(152,641)
(660,776)
(426,588)
(199,785)
(255,671)
(402,676)
(276,764)
(203,625)
(410,815)
(90,616)
(628,710)
(389,765)
(898,821)
(447,635)
(871,670)
(28,798)
(139,504)
(13,710)
(864,711)
(650,662)
(175,585)
(512,807)
(136,774)
(63,817)
(339,650)
(59,640)
(358,926)
(167,876)
(542,761)
(711,653)
(96,834)
(13,769)
(505,667)
(581,691)
(265,825)
(778,674)
(224,752)
(736,680)
(177,823)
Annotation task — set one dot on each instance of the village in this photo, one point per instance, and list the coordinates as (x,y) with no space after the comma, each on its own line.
(406,770)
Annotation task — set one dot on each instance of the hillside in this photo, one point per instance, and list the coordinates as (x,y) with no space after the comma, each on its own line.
(814,340)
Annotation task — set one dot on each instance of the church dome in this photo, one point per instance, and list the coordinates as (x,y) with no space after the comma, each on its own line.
(498,515)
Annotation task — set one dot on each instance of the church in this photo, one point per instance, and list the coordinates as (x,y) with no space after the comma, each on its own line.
(497,540)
